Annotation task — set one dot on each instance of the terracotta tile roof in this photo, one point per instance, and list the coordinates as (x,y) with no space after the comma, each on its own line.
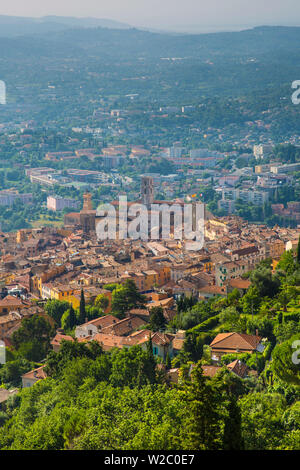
(107,341)
(10,317)
(11,300)
(102,322)
(210,371)
(236,341)
(139,311)
(162,339)
(240,283)
(178,343)
(246,250)
(139,337)
(161,303)
(38,374)
(59,337)
(238,367)
(124,327)
(218,258)
(5,394)
(212,290)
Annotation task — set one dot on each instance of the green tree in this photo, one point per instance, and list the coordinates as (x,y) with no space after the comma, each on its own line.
(149,366)
(55,309)
(11,372)
(72,317)
(286,262)
(193,346)
(251,301)
(69,350)
(125,298)
(33,337)
(233,439)
(168,361)
(205,421)
(266,284)
(157,319)
(285,361)
(262,420)
(102,302)
(68,320)
(82,312)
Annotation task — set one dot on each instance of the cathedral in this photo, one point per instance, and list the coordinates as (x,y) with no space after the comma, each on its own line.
(84,219)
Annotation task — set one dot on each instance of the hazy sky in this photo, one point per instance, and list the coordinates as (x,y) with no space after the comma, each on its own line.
(165,13)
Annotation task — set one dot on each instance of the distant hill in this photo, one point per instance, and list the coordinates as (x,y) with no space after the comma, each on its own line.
(86,22)
(265,43)
(14,26)
(107,37)
(263,59)
(256,43)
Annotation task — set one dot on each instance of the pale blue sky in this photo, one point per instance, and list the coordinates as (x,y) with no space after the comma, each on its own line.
(164,13)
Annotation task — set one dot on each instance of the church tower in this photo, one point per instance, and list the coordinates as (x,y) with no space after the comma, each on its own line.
(87,202)
(87,214)
(147,191)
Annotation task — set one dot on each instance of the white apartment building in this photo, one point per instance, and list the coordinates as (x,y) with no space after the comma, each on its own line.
(262,150)
(57,203)
(258,198)
(7,198)
(279,169)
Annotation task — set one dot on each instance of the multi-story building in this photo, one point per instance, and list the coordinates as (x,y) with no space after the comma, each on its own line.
(262,150)
(112,161)
(174,152)
(205,153)
(258,198)
(227,205)
(57,203)
(7,198)
(279,169)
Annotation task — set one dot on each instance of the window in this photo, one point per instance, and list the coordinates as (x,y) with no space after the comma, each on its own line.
(155,350)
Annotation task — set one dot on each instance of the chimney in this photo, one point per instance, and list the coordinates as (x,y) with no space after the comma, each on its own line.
(256,332)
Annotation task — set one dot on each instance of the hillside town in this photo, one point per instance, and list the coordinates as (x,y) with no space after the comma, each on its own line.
(149,231)
(63,264)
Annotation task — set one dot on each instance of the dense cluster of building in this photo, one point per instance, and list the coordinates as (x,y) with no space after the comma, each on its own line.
(49,263)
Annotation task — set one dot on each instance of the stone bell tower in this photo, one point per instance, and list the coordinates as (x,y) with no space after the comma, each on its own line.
(147,191)
(87,202)
(87,214)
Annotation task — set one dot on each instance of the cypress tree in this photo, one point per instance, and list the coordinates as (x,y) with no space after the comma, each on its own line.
(72,317)
(82,314)
(203,430)
(150,363)
(168,361)
(232,439)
